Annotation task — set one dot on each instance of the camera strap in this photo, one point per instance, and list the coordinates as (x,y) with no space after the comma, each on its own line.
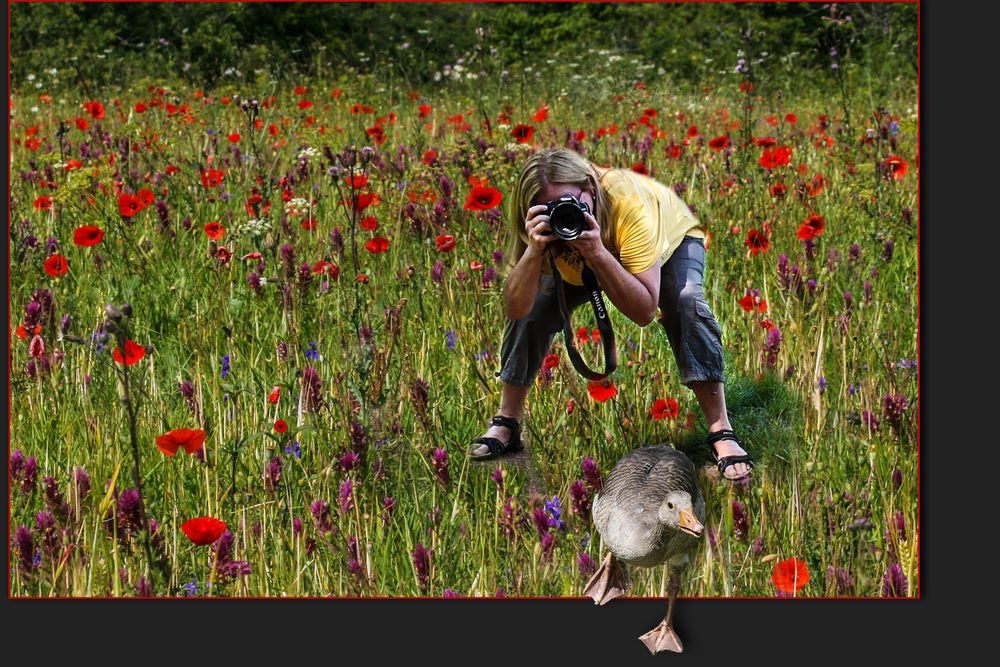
(603,323)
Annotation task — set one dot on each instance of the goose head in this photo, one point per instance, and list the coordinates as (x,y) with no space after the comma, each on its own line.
(677,513)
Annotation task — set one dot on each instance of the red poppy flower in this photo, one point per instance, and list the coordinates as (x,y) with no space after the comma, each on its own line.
(377,245)
(43,203)
(791,118)
(757,241)
(719,143)
(73,164)
(640,168)
(133,353)
(476,265)
(430,157)
(376,133)
(211,177)
(305,104)
(362,278)
(582,335)
(145,197)
(663,408)
(483,199)
(542,113)
(275,394)
(675,151)
(203,530)
(445,243)
(139,107)
(357,182)
(522,133)
(87,236)
(896,167)
(814,226)
(601,390)
(56,265)
(128,205)
(234,137)
(369,223)
(766,142)
(692,131)
(767,324)
(595,335)
(778,190)
(746,302)
(424,110)
(776,157)
(95,109)
(550,361)
(363,201)
(308,224)
(281,426)
(81,124)
(191,439)
(214,231)
(790,575)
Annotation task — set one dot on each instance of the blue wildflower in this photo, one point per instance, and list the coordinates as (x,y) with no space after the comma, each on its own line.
(191,589)
(312,353)
(451,339)
(822,384)
(851,389)
(552,507)
(225,366)
(294,448)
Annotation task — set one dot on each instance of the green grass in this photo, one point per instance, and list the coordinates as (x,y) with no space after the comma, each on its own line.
(823,490)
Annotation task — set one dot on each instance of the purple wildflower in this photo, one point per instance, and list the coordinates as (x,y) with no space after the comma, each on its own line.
(757,547)
(51,539)
(312,389)
(772,346)
(554,510)
(586,564)
(25,548)
(580,499)
(389,506)
(497,477)
(130,512)
(897,478)
(272,473)
(450,593)
(346,497)
(894,584)
(854,252)
(592,474)
(321,516)
(82,481)
(440,459)
(548,543)
(437,273)
(741,520)
(887,250)
(359,439)
(349,461)
(894,405)
(422,564)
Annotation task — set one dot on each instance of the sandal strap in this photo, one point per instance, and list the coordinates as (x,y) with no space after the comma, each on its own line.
(506,422)
(727,461)
(495,446)
(724,434)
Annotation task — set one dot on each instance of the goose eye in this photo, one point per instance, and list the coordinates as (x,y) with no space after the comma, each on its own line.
(670,505)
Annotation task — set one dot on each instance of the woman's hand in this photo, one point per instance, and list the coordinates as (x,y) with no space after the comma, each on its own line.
(538,229)
(589,243)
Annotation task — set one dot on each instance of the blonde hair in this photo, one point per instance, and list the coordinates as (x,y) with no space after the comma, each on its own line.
(554,165)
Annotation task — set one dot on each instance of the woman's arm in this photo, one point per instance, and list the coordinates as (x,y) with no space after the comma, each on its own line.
(522,283)
(635,295)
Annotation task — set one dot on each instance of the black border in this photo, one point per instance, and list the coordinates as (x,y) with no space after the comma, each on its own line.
(574,630)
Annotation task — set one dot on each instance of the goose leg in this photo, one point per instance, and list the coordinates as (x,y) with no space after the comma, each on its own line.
(609,582)
(663,637)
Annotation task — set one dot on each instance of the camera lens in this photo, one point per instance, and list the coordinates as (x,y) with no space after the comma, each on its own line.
(567,221)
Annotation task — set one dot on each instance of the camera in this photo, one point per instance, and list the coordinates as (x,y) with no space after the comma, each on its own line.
(566,217)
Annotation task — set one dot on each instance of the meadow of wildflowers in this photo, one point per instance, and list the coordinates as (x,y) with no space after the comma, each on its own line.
(255,327)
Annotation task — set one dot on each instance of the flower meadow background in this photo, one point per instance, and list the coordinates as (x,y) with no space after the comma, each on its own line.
(256,296)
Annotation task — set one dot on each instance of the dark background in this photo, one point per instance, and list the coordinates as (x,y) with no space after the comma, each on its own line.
(956,567)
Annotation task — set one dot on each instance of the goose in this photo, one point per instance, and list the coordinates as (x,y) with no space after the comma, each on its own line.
(650,511)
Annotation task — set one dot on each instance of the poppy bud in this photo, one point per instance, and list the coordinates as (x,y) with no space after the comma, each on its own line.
(126,309)
(113,313)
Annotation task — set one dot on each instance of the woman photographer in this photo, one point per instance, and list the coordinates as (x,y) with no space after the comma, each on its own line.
(646,249)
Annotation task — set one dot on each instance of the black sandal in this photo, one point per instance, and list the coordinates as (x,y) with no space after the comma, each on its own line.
(726,461)
(496,447)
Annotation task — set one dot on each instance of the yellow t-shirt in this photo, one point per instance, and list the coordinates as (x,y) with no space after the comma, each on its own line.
(649,220)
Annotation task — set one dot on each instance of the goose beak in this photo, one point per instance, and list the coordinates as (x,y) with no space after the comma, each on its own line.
(690,525)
